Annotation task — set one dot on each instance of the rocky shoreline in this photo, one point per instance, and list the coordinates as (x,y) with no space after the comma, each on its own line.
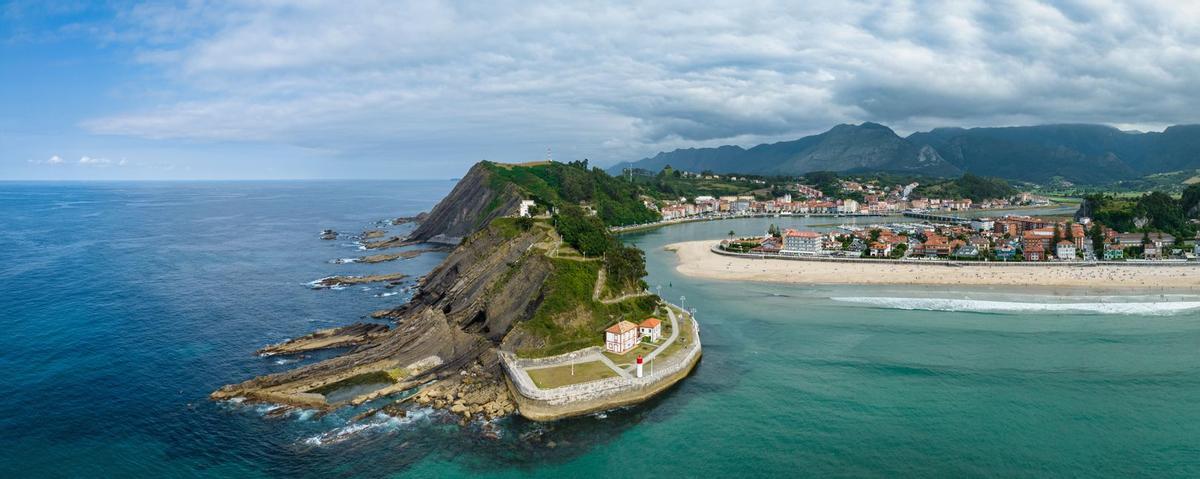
(352,335)
(336,281)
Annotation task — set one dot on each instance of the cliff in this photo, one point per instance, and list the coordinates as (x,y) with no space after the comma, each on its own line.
(511,284)
(473,203)
(464,308)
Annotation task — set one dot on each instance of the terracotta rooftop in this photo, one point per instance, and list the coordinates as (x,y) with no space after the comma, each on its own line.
(650,323)
(802,234)
(621,327)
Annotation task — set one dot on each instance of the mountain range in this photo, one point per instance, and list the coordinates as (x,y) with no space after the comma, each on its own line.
(1079,153)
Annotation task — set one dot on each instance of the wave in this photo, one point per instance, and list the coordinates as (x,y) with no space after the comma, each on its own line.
(972,305)
(378,423)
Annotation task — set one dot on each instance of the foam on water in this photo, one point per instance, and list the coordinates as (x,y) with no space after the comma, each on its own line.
(1144,308)
(378,423)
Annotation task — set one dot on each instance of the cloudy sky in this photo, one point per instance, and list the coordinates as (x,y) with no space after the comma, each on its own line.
(392,89)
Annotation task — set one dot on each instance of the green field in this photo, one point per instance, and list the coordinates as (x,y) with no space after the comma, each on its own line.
(558,376)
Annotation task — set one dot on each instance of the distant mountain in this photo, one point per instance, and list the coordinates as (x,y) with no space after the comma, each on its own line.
(1086,154)
(869,146)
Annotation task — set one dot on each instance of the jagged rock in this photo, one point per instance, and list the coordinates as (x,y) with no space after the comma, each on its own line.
(351,335)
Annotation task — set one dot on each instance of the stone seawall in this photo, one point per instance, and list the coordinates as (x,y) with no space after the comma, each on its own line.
(577,399)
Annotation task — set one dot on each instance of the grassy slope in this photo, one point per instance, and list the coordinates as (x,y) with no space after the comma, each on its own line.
(568,318)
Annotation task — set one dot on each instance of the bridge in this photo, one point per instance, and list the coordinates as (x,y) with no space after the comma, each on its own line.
(935,217)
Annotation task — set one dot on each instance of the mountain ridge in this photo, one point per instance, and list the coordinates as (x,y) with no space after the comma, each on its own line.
(1076,152)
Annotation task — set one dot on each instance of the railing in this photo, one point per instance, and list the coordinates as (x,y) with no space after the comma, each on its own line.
(600,389)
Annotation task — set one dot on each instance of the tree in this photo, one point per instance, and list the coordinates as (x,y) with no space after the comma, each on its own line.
(874,235)
(624,267)
(1056,238)
(731,234)
(1068,234)
(582,231)
(1097,235)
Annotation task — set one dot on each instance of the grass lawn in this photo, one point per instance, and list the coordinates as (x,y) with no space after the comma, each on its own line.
(559,376)
(630,357)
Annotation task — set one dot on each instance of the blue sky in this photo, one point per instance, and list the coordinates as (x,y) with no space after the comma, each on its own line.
(395,89)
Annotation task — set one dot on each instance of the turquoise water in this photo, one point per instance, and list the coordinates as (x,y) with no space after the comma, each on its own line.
(125,304)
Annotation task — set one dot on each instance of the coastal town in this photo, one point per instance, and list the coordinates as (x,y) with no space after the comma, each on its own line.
(1009,238)
(853,198)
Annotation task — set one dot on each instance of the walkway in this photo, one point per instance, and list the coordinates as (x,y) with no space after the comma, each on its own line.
(598,354)
(600,277)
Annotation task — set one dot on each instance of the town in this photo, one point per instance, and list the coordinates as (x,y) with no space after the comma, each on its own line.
(1010,238)
(853,198)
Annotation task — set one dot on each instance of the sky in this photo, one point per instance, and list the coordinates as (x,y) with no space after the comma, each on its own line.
(423,89)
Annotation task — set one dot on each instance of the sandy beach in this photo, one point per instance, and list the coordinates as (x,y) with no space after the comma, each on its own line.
(696,259)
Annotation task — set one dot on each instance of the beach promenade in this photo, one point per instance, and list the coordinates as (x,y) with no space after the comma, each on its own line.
(697,259)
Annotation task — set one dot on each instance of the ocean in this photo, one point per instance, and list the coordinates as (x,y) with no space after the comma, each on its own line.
(125,304)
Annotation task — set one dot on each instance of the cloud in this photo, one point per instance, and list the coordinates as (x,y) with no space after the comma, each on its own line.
(53,160)
(101,162)
(620,81)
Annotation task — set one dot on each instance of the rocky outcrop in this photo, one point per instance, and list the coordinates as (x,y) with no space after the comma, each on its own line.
(334,281)
(462,310)
(473,203)
(352,335)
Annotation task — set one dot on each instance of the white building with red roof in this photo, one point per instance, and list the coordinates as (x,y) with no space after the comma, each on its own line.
(621,337)
(650,328)
(801,242)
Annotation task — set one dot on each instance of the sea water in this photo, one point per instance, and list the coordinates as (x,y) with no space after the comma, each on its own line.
(125,304)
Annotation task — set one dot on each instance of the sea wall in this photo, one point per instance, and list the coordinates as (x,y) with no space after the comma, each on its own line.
(577,399)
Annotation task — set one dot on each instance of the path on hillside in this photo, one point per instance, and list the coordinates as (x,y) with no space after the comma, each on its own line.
(600,277)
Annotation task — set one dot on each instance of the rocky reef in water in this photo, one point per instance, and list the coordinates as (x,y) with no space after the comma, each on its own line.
(449,331)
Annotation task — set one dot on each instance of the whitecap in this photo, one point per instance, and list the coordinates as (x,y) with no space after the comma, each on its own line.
(282,361)
(379,422)
(1145,308)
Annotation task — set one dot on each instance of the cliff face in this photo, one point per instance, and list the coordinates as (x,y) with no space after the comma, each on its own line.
(464,308)
(473,203)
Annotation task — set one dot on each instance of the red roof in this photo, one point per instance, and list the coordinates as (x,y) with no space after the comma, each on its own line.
(621,327)
(801,234)
(650,323)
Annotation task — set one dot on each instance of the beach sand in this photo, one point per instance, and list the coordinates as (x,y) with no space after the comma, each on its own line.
(696,259)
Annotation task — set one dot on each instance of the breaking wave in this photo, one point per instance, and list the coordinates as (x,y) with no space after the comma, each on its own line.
(378,423)
(981,306)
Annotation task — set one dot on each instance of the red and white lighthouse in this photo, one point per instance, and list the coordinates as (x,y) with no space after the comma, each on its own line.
(639,363)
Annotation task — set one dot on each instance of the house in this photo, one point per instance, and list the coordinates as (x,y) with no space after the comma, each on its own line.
(966,251)
(1034,251)
(1152,250)
(1065,250)
(1005,252)
(621,337)
(935,246)
(650,328)
(880,250)
(1113,251)
(1042,236)
(801,242)
(524,208)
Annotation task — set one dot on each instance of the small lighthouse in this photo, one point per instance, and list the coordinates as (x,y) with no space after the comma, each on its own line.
(639,372)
